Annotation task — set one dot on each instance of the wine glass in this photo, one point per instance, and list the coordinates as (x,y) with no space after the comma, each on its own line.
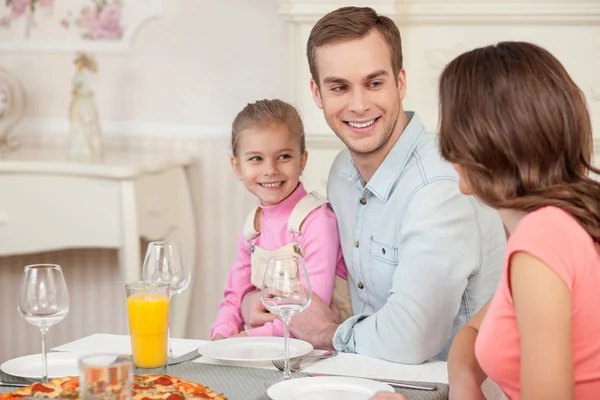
(44,301)
(164,263)
(286,291)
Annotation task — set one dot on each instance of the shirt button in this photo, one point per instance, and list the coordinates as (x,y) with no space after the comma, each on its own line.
(360,285)
(363,201)
(356,244)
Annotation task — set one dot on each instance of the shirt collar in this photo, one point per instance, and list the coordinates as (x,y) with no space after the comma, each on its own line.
(386,175)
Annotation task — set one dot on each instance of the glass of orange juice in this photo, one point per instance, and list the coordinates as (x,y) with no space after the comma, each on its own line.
(148,311)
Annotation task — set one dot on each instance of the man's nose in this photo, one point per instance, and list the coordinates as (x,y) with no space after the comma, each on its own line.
(358,102)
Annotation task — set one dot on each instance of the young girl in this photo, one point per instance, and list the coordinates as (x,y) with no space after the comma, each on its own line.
(269,156)
(517,129)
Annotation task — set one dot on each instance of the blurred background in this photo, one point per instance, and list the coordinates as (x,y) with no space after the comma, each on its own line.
(171,76)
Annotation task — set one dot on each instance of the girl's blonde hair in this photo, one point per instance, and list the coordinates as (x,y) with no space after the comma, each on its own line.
(264,111)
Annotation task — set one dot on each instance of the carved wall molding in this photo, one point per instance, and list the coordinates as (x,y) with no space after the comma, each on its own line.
(446,11)
(515,11)
(310,11)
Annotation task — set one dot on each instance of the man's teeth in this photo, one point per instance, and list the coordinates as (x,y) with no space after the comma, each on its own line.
(271,185)
(361,125)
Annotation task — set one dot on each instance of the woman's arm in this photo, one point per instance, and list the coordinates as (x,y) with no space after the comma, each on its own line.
(465,376)
(543,308)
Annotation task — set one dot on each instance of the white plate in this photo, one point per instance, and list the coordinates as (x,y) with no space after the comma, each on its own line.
(253,349)
(326,388)
(30,367)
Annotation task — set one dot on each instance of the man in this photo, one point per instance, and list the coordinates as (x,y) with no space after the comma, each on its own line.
(422,258)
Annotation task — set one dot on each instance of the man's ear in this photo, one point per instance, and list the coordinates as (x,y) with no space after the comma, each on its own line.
(314,88)
(402,83)
(235,165)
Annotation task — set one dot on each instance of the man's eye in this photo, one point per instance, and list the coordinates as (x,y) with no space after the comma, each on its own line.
(340,88)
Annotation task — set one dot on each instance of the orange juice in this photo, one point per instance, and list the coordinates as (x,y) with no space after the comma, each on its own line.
(148,325)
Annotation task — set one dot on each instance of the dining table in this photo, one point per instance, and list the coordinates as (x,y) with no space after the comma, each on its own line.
(250,380)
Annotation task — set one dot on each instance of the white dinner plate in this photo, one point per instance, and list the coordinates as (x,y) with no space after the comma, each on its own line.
(326,388)
(253,349)
(30,367)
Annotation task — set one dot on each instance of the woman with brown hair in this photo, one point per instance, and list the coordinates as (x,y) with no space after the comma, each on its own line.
(517,129)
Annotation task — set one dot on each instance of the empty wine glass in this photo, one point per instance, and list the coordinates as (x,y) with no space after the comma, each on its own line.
(164,263)
(44,301)
(286,291)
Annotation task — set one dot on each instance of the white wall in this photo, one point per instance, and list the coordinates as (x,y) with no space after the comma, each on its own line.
(190,70)
(435,31)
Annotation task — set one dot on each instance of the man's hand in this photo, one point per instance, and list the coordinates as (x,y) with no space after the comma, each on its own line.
(465,391)
(388,396)
(254,312)
(317,324)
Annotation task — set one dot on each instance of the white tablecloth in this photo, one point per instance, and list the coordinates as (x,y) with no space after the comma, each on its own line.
(343,364)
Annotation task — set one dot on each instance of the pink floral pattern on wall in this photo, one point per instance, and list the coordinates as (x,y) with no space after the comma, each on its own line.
(96,19)
(103,21)
(19,8)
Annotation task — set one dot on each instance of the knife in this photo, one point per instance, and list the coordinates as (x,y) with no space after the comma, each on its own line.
(192,355)
(392,383)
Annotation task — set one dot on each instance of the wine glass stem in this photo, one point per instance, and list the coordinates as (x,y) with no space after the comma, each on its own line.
(286,333)
(44,357)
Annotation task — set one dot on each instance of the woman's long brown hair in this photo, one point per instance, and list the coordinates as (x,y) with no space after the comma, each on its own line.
(517,124)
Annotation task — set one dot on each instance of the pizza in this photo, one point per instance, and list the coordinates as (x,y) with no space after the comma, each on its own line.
(144,387)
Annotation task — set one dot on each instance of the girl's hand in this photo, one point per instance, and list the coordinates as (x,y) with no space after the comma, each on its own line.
(218,337)
(388,396)
(241,334)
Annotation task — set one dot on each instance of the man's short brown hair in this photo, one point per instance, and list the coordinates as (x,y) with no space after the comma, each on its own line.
(352,23)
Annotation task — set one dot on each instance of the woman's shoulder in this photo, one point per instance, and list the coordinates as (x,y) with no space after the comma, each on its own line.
(555,230)
(550,220)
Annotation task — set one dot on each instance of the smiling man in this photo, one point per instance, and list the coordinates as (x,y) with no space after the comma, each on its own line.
(422,258)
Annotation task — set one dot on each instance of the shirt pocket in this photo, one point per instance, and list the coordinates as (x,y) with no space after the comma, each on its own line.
(384,260)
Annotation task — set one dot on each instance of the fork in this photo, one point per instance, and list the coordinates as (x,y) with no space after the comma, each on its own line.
(295,365)
(14,384)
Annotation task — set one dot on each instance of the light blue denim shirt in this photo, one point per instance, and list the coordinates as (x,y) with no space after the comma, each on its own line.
(422,258)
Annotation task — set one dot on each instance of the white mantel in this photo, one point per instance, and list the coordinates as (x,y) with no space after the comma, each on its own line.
(434,32)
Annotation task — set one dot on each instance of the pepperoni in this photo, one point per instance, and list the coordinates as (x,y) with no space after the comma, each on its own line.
(145,398)
(70,385)
(138,387)
(164,381)
(175,397)
(38,387)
